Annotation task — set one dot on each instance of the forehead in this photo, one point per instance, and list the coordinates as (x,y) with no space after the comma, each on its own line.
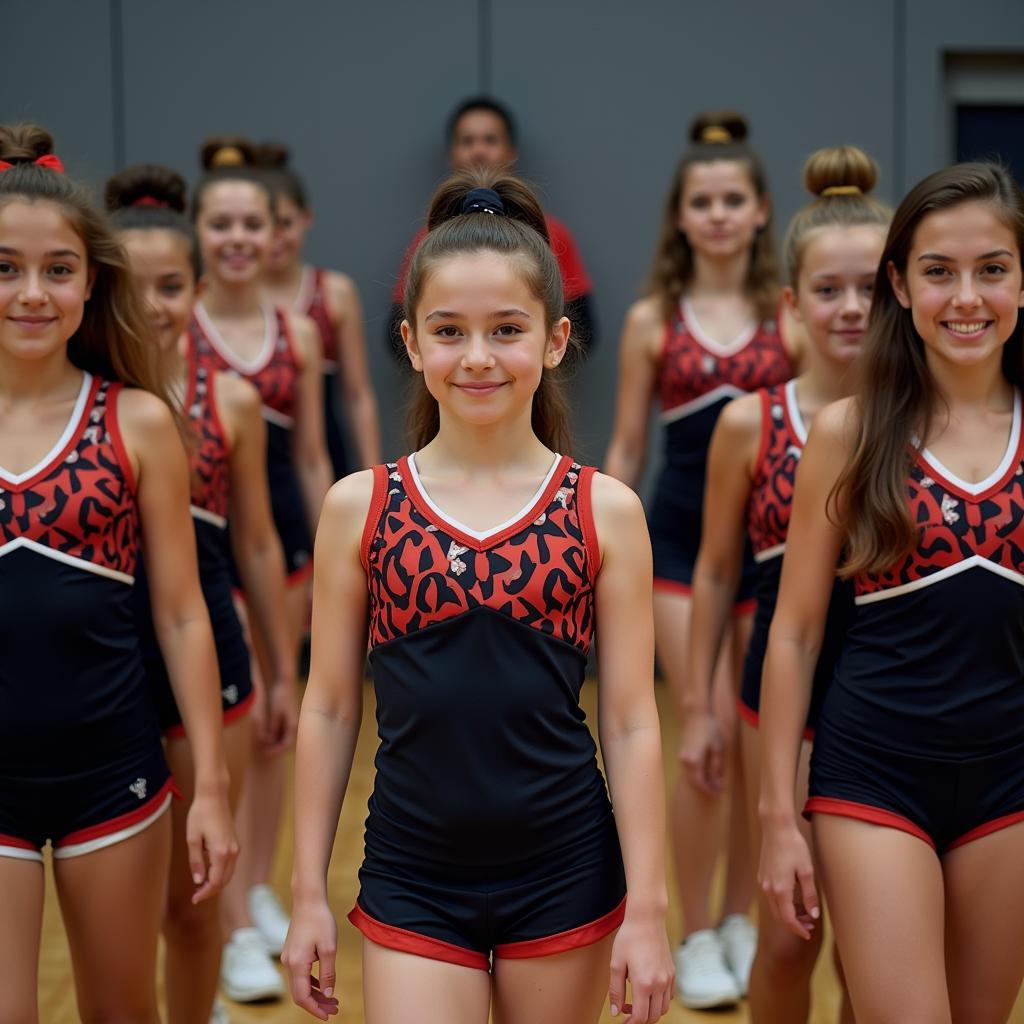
(479,281)
(717,176)
(159,249)
(238,197)
(968,229)
(479,122)
(835,248)
(38,225)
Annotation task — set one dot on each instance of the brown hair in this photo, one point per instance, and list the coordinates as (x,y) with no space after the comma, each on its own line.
(113,340)
(522,235)
(274,159)
(714,135)
(242,167)
(898,397)
(855,174)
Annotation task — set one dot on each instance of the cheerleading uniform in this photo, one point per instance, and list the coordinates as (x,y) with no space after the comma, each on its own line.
(783,436)
(81,763)
(312,300)
(922,728)
(275,375)
(210,487)
(696,377)
(489,827)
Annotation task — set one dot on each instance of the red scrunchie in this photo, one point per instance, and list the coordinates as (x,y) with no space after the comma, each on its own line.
(150,201)
(49,160)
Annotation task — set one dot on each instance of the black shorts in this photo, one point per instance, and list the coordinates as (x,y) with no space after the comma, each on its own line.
(80,812)
(334,433)
(943,802)
(576,897)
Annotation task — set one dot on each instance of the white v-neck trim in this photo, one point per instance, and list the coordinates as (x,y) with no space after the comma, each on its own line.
(740,342)
(306,289)
(61,443)
(228,354)
(793,408)
(468,530)
(998,473)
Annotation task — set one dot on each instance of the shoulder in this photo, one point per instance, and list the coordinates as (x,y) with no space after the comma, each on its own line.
(837,425)
(340,291)
(613,502)
(646,313)
(143,414)
(348,504)
(304,333)
(741,418)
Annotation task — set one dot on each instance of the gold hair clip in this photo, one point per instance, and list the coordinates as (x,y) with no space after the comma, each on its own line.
(841,190)
(715,133)
(228,156)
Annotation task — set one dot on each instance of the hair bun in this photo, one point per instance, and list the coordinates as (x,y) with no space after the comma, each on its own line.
(272,155)
(845,169)
(136,185)
(719,127)
(226,151)
(23,143)
(465,192)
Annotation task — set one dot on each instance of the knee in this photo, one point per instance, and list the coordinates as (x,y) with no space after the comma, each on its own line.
(784,958)
(192,925)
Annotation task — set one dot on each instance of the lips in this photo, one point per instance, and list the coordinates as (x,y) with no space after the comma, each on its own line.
(481,387)
(32,321)
(967,329)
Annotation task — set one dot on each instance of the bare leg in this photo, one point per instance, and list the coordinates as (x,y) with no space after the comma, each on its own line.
(885,894)
(402,987)
(985,926)
(21,923)
(567,988)
(112,902)
(193,932)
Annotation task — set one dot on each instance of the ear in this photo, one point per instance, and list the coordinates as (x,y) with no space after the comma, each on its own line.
(789,298)
(764,211)
(412,347)
(558,343)
(899,286)
(307,217)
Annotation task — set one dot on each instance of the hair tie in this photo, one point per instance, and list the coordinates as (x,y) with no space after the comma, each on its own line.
(49,161)
(150,201)
(483,200)
(227,156)
(715,133)
(841,190)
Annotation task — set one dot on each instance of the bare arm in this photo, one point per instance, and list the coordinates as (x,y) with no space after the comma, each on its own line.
(360,402)
(182,625)
(328,729)
(716,578)
(631,744)
(639,352)
(309,449)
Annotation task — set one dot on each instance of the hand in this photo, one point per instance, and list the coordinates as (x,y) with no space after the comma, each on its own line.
(641,955)
(212,845)
(312,938)
(279,717)
(701,751)
(786,877)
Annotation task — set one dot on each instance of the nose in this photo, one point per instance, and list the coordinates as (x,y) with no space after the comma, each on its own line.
(477,353)
(967,296)
(855,303)
(33,292)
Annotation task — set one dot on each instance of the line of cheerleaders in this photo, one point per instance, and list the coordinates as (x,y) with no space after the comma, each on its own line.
(879,744)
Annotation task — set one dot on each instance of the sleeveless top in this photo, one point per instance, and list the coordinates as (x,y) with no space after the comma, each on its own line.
(312,301)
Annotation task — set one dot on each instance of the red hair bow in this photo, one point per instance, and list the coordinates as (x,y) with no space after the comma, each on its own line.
(49,160)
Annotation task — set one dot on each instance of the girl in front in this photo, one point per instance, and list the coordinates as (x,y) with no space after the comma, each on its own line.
(493,879)
(706,332)
(227,458)
(235,329)
(915,487)
(831,250)
(92,470)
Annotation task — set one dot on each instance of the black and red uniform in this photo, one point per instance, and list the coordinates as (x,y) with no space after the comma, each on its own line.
(312,300)
(81,763)
(490,829)
(210,488)
(783,436)
(696,377)
(275,375)
(923,727)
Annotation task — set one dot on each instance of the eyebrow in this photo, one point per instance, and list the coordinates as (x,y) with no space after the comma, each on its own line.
(444,314)
(949,259)
(55,254)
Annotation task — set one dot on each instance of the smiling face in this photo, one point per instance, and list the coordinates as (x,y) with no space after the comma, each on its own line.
(481,339)
(480,139)
(962,283)
(236,230)
(161,265)
(720,211)
(45,279)
(834,287)
(290,227)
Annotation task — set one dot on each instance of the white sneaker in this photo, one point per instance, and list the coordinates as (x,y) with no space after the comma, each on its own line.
(219,1014)
(703,981)
(269,917)
(739,944)
(247,974)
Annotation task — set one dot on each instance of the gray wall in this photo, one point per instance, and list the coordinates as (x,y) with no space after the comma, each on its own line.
(603,90)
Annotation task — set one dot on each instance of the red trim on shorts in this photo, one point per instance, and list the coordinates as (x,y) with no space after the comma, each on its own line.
(405,941)
(672,586)
(753,719)
(19,844)
(378,501)
(574,938)
(865,812)
(996,825)
(300,575)
(231,714)
(123,821)
(746,607)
